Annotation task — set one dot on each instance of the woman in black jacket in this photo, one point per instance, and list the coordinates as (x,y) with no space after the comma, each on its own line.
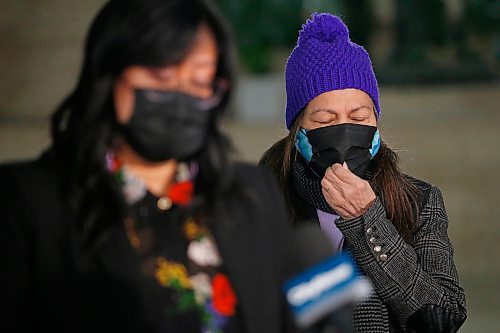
(137,219)
(334,169)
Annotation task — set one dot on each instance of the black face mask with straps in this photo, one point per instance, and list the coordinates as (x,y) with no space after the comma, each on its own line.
(168,124)
(351,143)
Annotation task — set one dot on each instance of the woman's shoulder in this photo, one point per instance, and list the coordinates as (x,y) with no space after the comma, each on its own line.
(259,183)
(29,173)
(253,174)
(30,180)
(242,166)
(17,167)
(424,189)
(28,199)
(430,198)
(419,183)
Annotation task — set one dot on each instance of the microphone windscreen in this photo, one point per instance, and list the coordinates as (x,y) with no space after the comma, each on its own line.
(308,246)
(323,283)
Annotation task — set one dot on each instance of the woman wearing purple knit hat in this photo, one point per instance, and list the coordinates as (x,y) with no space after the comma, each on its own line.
(334,169)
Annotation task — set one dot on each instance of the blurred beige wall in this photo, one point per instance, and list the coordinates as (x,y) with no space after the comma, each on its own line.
(40,46)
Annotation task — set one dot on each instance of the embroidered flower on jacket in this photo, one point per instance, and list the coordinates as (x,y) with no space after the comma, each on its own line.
(172,274)
(133,187)
(223,296)
(181,193)
(192,229)
(202,287)
(203,252)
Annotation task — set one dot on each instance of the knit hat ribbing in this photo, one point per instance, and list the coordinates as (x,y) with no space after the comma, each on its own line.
(325,59)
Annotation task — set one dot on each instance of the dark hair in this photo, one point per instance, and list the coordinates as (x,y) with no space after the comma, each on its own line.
(124,33)
(398,194)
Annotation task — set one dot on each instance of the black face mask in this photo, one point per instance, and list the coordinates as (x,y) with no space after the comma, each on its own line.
(168,125)
(351,143)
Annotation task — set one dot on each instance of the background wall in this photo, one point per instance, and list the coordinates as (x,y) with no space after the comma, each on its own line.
(446,128)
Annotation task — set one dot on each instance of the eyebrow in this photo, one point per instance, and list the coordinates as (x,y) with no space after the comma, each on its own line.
(323,109)
(352,110)
(361,107)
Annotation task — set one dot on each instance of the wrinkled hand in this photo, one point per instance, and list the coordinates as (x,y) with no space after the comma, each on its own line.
(347,194)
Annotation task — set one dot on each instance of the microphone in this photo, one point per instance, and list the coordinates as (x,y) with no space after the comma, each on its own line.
(327,284)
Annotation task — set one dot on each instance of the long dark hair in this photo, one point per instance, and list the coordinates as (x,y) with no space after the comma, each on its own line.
(397,192)
(124,33)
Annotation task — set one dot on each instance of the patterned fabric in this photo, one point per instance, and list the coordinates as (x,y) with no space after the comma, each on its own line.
(198,284)
(251,231)
(308,185)
(407,277)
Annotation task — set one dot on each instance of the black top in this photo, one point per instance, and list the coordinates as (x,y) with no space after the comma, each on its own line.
(45,286)
(171,308)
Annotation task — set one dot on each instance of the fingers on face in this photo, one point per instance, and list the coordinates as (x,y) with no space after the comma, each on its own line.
(344,174)
(332,174)
(326,184)
(332,192)
(336,201)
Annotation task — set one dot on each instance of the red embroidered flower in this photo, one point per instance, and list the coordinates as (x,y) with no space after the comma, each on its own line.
(114,164)
(181,193)
(223,297)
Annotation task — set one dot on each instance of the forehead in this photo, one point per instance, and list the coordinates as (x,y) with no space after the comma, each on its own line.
(204,47)
(341,98)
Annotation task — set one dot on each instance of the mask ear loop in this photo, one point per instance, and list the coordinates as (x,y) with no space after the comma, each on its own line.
(303,145)
(158,96)
(221,87)
(375,144)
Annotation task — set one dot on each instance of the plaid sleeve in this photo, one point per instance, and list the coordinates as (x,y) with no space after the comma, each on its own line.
(408,277)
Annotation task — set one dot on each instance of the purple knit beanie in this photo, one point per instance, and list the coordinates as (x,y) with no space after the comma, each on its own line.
(325,59)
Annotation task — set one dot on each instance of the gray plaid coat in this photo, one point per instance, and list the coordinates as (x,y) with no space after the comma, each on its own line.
(416,284)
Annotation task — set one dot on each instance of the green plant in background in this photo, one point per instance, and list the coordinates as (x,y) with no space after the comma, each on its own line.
(263,27)
(358,16)
(482,16)
(260,27)
(420,24)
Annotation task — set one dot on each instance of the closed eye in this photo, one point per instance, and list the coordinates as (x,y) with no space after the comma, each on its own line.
(360,114)
(359,118)
(164,74)
(323,120)
(322,116)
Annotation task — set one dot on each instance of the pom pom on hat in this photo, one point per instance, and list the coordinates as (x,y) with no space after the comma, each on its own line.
(325,59)
(325,28)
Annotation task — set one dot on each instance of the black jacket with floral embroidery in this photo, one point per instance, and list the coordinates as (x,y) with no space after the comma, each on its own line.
(41,278)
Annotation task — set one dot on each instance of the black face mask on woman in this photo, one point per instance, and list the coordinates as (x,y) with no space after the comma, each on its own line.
(168,124)
(351,143)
